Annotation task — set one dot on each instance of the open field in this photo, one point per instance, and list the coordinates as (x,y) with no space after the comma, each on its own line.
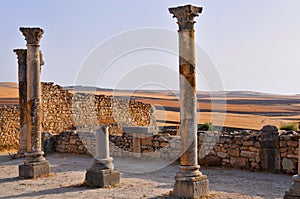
(246,110)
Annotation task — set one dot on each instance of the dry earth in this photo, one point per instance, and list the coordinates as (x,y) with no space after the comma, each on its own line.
(69,170)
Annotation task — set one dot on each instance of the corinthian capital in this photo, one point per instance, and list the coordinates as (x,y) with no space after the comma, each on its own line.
(21,55)
(32,36)
(185,16)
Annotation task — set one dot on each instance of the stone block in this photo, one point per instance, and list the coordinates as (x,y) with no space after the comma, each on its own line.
(248,154)
(233,152)
(191,189)
(222,155)
(33,170)
(292,143)
(270,159)
(102,178)
(287,165)
(248,143)
(238,162)
(211,161)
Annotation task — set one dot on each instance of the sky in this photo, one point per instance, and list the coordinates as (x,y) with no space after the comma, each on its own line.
(251,45)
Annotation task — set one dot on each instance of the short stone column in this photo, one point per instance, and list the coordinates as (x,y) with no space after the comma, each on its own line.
(270,152)
(22,78)
(102,171)
(190,183)
(294,190)
(35,164)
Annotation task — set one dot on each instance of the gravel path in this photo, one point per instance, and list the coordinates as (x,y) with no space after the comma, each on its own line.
(136,182)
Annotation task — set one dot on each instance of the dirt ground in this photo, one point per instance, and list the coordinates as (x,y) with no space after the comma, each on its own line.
(136,180)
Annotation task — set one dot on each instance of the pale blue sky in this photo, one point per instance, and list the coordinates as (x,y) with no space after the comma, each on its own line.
(255,44)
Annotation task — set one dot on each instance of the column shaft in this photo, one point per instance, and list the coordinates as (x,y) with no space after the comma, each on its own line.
(188,97)
(22,78)
(34,99)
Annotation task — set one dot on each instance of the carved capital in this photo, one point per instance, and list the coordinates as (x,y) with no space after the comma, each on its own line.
(21,55)
(185,16)
(32,36)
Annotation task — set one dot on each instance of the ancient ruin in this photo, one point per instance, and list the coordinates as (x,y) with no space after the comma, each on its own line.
(190,183)
(102,171)
(109,126)
(35,164)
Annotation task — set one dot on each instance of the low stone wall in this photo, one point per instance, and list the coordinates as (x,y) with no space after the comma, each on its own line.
(241,149)
(236,149)
(9,127)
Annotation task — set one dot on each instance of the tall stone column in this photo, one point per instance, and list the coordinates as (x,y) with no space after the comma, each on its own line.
(22,78)
(294,190)
(189,181)
(35,164)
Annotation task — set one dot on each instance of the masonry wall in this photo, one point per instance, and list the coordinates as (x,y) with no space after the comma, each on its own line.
(232,150)
(63,110)
(9,127)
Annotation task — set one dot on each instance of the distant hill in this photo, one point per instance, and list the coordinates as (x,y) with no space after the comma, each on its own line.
(231,109)
(9,90)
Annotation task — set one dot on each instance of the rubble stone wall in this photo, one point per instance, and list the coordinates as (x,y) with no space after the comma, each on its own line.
(9,127)
(63,110)
(232,150)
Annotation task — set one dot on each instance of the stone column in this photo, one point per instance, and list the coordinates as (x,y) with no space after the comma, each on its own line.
(294,190)
(22,78)
(102,171)
(35,164)
(270,151)
(190,183)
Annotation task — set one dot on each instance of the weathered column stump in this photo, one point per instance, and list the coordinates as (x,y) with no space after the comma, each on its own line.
(35,164)
(294,190)
(102,173)
(270,152)
(189,181)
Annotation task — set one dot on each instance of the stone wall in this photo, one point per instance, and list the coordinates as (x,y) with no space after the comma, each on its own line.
(241,149)
(9,127)
(244,150)
(63,110)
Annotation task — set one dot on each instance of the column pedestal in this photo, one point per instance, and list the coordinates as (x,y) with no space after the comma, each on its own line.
(190,183)
(294,191)
(101,178)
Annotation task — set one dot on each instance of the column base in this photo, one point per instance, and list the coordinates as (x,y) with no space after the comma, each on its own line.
(34,169)
(294,190)
(102,178)
(190,183)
